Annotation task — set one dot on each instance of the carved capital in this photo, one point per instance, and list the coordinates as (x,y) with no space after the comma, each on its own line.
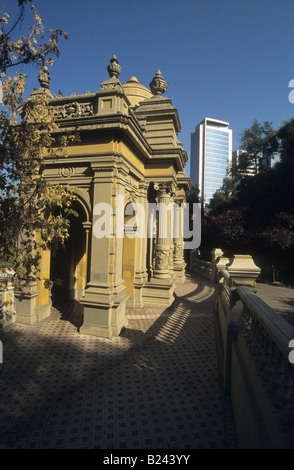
(165,188)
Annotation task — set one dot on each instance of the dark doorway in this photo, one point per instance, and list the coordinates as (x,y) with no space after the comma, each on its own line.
(68,270)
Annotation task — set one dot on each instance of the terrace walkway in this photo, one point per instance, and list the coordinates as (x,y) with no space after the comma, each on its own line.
(280,299)
(156,386)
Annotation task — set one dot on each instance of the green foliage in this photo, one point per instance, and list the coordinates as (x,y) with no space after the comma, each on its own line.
(37,46)
(29,220)
(257,141)
(255,214)
(286,138)
(224,197)
(193,194)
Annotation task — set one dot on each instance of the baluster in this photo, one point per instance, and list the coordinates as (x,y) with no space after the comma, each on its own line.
(287,415)
(268,369)
(263,359)
(260,361)
(246,320)
(284,392)
(278,362)
(253,338)
(259,342)
(227,293)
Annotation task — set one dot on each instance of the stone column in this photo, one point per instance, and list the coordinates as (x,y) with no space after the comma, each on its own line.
(80,260)
(160,288)
(178,241)
(163,248)
(105,294)
(87,227)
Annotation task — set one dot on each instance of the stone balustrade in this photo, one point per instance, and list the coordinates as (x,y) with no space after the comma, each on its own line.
(209,269)
(257,371)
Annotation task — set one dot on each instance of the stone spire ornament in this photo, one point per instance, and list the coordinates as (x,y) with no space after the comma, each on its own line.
(113,82)
(44,78)
(113,68)
(158,85)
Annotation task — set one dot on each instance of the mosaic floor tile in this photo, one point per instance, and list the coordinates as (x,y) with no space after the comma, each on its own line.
(155,386)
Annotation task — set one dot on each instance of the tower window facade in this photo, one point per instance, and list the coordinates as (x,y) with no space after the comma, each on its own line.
(211,155)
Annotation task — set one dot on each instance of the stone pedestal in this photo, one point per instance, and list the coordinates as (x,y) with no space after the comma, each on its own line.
(33,298)
(218,263)
(157,293)
(26,302)
(7,300)
(104,310)
(243,271)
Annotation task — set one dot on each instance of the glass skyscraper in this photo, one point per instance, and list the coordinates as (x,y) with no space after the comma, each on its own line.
(211,155)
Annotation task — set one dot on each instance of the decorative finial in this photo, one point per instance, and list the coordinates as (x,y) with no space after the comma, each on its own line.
(113,68)
(158,85)
(44,78)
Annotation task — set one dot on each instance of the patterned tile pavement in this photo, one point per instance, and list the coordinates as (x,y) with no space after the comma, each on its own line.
(156,386)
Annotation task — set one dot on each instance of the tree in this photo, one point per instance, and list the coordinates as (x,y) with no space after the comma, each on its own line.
(285,135)
(193,194)
(257,141)
(224,197)
(26,49)
(256,213)
(27,137)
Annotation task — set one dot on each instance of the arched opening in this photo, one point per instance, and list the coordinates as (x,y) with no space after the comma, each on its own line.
(152,220)
(129,248)
(68,269)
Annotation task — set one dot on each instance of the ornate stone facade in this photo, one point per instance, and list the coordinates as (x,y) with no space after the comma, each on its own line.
(128,152)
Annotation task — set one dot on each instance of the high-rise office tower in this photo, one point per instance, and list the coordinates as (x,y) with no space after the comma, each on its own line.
(211,155)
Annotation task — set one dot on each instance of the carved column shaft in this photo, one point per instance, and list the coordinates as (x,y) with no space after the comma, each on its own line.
(178,235)
(179,264)
(163,248)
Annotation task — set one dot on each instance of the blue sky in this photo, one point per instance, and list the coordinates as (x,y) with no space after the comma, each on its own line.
(226,59)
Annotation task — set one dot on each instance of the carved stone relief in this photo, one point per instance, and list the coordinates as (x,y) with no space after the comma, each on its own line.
(74,109)
(161,258)
(66,172)
(178,250)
